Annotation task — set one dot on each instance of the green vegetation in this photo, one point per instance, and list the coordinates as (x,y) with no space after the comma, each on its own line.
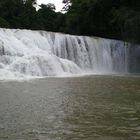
(119,19)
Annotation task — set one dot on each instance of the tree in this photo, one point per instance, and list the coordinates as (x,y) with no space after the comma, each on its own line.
(3,23)
(105,18)
(118,19)
(67,5)
(47,16)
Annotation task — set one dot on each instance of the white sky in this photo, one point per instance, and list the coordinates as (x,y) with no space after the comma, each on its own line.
(57,3)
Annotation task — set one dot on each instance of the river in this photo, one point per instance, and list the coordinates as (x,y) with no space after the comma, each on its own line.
(72,108)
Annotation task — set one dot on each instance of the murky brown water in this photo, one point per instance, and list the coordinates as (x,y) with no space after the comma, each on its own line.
(81,108)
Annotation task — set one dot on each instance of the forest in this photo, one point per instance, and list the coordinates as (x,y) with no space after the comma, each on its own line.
(116,19)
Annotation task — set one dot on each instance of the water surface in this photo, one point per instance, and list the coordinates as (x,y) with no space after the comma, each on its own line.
(81,108)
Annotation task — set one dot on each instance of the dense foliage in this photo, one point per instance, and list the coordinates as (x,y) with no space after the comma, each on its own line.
(119,19)
(108,18)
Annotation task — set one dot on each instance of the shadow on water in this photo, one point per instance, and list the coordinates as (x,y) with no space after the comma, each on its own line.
(81,108)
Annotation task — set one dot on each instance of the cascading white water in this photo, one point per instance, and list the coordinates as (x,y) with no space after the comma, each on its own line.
(25,53)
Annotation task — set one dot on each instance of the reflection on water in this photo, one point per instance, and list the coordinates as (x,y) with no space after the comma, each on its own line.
(84,108)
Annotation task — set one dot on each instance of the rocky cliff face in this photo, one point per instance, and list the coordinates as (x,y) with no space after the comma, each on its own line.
(134,59)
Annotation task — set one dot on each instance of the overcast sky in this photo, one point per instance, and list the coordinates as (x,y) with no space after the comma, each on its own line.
(57,3)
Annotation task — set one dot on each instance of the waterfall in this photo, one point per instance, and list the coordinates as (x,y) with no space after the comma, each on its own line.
(26,53)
